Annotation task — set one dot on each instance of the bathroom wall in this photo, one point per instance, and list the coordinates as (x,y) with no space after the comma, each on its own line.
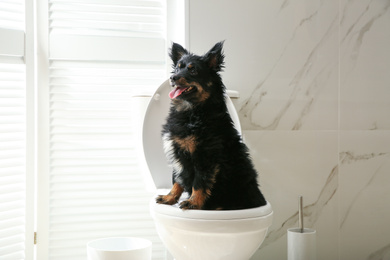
(314,80)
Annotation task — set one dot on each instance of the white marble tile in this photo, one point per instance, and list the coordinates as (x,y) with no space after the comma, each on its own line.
(283,58)
(293,163)
(364,65)
(299,90)
(364,195)
(322,68)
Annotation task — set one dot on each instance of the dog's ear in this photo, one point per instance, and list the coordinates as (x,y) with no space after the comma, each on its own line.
(215,57)
(176,52)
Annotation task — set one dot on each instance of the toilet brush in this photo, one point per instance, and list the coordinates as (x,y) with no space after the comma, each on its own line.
(301,242)
(300,214)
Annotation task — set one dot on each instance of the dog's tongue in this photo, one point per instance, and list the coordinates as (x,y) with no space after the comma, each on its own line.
(176,92)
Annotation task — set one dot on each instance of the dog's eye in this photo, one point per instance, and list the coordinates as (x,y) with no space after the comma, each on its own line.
(192,70)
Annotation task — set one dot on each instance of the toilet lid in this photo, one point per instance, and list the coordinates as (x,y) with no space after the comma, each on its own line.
(155,117)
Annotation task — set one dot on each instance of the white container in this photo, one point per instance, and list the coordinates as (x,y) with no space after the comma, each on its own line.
(119,248)
(301,246)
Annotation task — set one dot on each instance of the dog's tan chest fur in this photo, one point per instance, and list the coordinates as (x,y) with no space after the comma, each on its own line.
(187,143)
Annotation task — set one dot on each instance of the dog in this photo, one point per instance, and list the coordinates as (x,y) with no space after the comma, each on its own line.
(209,160)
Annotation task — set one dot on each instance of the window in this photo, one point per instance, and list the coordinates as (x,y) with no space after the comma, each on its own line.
(100,53)
(92,57)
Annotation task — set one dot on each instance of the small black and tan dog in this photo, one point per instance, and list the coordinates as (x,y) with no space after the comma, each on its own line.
(208,157)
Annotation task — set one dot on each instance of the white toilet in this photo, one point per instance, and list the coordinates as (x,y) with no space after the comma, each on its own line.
(197,234)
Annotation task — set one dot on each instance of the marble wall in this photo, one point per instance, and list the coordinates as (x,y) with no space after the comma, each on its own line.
(314,82)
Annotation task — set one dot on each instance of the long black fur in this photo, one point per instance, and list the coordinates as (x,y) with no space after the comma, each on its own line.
(209,159)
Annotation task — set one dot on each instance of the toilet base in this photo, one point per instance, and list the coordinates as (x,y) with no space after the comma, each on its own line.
(187,245)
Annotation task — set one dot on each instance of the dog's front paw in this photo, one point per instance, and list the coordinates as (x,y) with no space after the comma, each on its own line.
(189,204)
(166,199)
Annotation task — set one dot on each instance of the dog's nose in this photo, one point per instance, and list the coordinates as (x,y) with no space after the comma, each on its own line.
(174,77)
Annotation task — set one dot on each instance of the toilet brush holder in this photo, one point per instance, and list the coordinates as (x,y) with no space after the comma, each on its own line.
(301,245)
(301,242)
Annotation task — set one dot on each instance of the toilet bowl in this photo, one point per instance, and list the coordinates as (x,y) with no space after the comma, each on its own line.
(211,235)
(197,234)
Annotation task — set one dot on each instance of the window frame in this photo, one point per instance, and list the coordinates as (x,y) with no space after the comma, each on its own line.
(31,127)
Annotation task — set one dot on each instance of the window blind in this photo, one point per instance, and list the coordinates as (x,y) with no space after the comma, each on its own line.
(12,14)
(12,131)
(12,161)
(108,30)
(101,53)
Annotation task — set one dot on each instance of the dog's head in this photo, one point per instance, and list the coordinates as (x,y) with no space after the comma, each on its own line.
(195,79)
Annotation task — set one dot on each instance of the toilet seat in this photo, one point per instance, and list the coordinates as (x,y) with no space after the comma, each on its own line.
(155,116)
(175,211)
